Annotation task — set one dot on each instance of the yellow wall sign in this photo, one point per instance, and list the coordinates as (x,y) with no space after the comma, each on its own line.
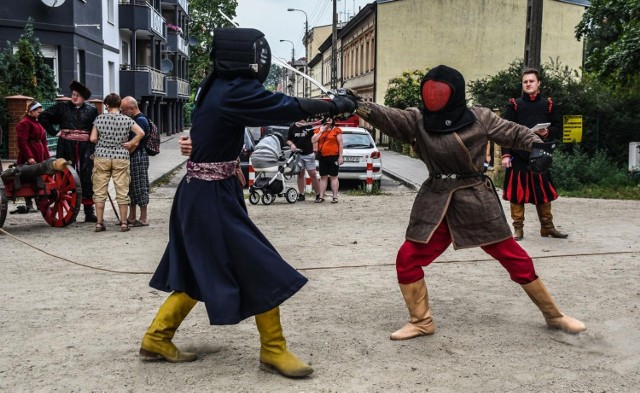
(572,129)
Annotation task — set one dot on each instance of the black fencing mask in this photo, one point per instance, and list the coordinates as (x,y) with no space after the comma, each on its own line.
(240,52)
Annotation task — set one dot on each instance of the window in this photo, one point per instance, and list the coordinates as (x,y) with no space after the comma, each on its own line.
(50,53)
(124,53)
(112,76)
(80,66)
(110,11)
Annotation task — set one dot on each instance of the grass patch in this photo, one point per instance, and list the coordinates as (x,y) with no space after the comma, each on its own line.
(362,189)
(165,179)
(604,192)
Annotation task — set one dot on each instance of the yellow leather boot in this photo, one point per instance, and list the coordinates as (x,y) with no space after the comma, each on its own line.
(274,356)
(156,343)
(546,222)
(552,315)
(420,321)
(517,215)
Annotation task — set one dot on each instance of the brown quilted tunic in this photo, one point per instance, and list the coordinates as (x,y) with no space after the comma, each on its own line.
(470,206)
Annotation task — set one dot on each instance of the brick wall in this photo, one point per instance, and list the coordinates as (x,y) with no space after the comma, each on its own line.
(17,107)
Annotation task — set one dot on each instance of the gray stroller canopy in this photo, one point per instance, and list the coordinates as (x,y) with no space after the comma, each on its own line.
(267,152)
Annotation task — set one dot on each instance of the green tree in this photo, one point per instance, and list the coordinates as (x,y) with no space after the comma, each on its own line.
(274,79)
(493,92)
(205,17)
(612,32)
(610,117)
(26,72)
(404,91)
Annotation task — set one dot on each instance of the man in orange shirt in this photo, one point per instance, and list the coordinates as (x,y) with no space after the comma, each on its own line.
(329,140)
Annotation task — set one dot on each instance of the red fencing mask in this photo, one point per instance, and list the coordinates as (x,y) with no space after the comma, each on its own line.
(435,95)
(445,107)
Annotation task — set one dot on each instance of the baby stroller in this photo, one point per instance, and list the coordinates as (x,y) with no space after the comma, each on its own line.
(272,171)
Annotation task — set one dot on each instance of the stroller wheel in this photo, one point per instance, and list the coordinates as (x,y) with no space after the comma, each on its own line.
(291,195)
(254,198)
(267,199)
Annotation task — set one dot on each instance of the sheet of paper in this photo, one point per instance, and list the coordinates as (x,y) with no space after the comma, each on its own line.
(540,126)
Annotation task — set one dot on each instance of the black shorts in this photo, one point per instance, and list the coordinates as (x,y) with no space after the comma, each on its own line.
(328,165)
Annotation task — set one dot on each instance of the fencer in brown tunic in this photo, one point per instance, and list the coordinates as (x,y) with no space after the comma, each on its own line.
(470,205)
(457,203)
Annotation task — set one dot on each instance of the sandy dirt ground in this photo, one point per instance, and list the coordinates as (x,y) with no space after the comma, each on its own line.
(69,328)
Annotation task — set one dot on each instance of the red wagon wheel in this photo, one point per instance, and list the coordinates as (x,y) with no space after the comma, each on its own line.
(62,205)
(4,204)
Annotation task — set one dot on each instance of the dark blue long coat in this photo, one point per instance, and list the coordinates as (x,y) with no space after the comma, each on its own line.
(216,254)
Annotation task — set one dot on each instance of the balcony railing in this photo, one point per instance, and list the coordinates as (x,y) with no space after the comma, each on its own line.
(141,80)
(177,88)
(182,3)
(157,81)
(176,42)
(140,15)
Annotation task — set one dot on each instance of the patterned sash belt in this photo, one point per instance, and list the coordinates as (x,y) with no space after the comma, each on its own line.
(211,171)
(75,135)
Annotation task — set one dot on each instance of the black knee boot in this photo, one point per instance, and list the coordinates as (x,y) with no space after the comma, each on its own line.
(89,214)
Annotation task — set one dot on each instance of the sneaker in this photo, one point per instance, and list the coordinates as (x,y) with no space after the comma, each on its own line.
(300,197)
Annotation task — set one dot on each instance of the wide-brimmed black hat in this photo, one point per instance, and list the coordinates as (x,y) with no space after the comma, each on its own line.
(81,89)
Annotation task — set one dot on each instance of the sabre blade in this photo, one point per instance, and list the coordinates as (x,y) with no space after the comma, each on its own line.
(283,63)
(227,18)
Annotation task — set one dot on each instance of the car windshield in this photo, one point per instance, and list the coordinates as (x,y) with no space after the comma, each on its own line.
(356,141)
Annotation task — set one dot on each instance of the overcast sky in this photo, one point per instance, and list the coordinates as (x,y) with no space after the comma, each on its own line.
(272,18)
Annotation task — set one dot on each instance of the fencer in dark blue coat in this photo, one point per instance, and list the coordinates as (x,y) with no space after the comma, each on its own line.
(216,254)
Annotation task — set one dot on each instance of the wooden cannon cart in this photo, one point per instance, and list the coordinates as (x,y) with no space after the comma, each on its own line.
(53,185)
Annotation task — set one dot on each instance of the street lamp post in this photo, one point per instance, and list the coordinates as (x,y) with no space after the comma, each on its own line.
(293,56)
(305,84)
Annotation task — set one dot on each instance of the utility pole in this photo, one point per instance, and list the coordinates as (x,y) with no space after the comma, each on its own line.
(334,50)
(293,57)
(305,83)
(533,37)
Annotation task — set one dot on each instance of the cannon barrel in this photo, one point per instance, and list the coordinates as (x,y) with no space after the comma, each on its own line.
(29,173)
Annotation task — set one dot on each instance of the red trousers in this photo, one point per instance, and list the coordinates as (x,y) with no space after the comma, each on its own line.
(413,256)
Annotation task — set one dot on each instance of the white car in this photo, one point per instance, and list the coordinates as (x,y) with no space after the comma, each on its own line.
(358,146)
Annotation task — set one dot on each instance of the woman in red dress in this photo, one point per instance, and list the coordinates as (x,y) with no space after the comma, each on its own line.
(32,141)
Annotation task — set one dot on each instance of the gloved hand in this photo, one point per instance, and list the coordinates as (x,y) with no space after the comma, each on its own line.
(541,159)
(361,109)
(341,105)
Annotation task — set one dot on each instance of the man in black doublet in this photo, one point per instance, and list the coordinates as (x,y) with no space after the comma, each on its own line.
(74,119)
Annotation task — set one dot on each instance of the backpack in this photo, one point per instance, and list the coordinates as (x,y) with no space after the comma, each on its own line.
(153,140)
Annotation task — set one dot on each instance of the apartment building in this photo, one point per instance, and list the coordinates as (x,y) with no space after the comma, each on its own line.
(131,47)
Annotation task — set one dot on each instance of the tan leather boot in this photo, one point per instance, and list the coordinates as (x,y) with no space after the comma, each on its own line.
(156,343)
(274,356)
(552,315)
(420,321)
(517,215)
(546,222)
